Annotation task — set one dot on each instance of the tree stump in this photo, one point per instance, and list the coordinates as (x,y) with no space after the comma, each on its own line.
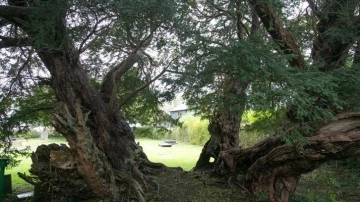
(55,175)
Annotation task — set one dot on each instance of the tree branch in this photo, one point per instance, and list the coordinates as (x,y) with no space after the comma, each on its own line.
(83,46)
(7,42)
(135,92)
(281,35)
(176,72)
(10,12)
(17,77)
(331,51)
(111,79)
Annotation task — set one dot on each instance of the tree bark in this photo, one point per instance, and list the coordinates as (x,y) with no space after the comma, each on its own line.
(330,50)
(106,155)
(279,33)
(275,168)
(224,126)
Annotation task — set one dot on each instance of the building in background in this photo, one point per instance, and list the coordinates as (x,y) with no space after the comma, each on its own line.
(179,111)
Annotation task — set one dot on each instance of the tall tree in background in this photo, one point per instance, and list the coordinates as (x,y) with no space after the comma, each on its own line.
(218,49)
(86,52)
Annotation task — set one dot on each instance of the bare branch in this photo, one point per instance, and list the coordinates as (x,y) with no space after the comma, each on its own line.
(111,79)
(95,29)
(255,23)
(176,72)
(17,77)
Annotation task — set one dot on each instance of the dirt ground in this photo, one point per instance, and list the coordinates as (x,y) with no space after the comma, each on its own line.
(180,186)
(322,185)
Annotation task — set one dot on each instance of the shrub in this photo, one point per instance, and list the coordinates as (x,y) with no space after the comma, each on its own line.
(30,135)
(194,130)
(250,137)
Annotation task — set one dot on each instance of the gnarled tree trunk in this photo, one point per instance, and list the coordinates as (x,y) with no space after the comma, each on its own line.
(105,152)
(276,168)
(107,156)
(224,126)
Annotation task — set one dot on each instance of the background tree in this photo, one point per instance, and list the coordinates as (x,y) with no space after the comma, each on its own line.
(226,47)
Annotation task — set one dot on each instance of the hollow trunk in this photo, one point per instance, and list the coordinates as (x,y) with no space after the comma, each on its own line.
(224,126)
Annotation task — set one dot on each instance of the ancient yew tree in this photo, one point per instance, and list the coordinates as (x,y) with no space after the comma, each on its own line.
(89,59)
(84,51)
(314,77)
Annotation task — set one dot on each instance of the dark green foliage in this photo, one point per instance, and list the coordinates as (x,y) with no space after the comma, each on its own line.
(348,87)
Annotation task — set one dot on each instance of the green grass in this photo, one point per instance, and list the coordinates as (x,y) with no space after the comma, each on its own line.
(179,155)
(18,184)
(328,183)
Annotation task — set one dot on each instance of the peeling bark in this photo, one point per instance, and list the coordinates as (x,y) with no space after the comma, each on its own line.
(55,180)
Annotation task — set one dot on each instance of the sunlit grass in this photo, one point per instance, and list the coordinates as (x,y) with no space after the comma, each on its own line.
(179,155)
(18,184)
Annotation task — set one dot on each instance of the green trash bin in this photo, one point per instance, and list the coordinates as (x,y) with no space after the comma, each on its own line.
(3,164)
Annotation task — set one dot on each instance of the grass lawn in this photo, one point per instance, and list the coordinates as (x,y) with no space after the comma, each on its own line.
(179,155)
(327,183)
(18,184)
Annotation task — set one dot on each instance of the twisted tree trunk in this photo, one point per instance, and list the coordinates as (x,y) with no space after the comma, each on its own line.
(276,168)
(224,126)
(104,149)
